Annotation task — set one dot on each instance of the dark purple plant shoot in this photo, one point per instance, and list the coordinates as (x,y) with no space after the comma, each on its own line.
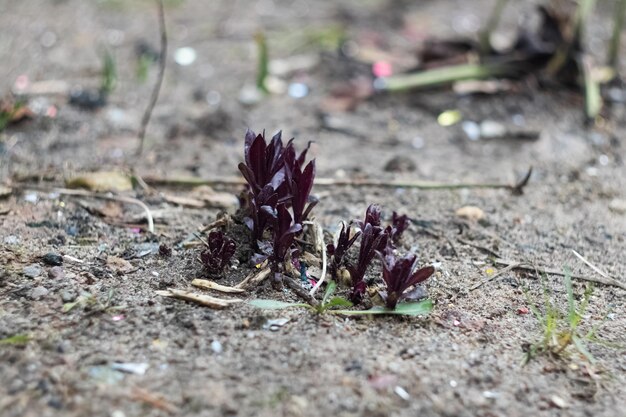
(275,175)
(399,224)
(372,216)
(262,212)
(338,249)
(399,275)
(373,238)
(300,184)
(284,235)
(263,163)
(218,253)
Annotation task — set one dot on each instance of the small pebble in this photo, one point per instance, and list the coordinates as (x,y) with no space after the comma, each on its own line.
(298,90)
(471,129)
(558,402)
(401,392)
(185,56)
(400,163)
(490,129)
(53,259)
(32,271)
(68,296)
(618,206)
(56,272)
(38,293)
(11,240)
(471,213)
(216,347)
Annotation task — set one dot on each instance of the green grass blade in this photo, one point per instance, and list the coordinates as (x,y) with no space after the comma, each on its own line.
(582,348)
(403,309)
(275,305)
(440,76)
(18,339)
(263,63)
(618,24)
(338,302)
(330,290)
(109,74)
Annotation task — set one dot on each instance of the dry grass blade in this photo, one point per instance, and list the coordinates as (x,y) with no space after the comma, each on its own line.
(211,285)
(528,267)
(595,268)
(202,299)
(155,401)
(499,273)
(322,248)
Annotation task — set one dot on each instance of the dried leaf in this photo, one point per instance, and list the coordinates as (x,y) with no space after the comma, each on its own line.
(101,181)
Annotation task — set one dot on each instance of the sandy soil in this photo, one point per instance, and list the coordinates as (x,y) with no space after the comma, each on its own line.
(465,359)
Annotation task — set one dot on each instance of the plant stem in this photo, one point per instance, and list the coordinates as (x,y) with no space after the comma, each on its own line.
(440,76)
(262,69)
(157,87)
(618,25)
(593,97)
(492,23)
(331,182)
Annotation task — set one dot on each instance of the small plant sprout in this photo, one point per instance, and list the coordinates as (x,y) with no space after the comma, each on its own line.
(338,249)
(300,184)
(399,224)
(399,274)
(284,235)
(218,253)
(373,238)
(562,330)
(275,175)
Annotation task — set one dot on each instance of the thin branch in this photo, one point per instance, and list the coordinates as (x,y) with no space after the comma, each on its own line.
(299,291)
(157,87)
(516,188)
(527,267)
(499,273)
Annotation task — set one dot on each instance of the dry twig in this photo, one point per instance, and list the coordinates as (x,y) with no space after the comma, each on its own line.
(210,285)
(202,299)
(254,279)
(157,87)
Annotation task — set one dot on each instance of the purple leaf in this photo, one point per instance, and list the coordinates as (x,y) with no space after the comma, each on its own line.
(218,253)
(399,276)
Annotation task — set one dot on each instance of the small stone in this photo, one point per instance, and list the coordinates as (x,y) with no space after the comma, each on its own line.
(53,259)
(217,347)
(38,293)
(400,163)
(56,272)
(618,206)
(250,95)
(471,213)
(558,402)
(68,296)
(32,271)
(490,129)
(11,240)
(471,129)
